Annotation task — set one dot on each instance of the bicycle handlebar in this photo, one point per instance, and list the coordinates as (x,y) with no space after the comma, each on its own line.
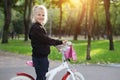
(62,48)
(69,43)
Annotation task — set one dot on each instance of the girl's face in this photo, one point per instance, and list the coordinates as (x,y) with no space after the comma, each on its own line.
(40,16)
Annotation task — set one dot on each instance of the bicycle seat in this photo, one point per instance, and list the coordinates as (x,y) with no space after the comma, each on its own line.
(29,63)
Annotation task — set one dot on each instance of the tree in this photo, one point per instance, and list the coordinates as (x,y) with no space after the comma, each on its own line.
(60,18)
(80,19)
(7,13)
(59,4)
(108,24)
(89,28)
(27,13)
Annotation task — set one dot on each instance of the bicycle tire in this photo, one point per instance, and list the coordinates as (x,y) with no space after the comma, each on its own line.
(20,78)
(77,75)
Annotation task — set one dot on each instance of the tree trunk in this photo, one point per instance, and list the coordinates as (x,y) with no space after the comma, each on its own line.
(86,19)
(88,57)
(80,19)
(7,13)
(60,24)
(89,28)
(27,13)
(97,24)
(108,24)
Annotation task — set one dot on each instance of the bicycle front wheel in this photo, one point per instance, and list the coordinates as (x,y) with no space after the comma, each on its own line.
(20,78)
(77,76)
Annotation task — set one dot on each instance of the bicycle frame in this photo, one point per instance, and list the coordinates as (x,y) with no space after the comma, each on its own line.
(51,74)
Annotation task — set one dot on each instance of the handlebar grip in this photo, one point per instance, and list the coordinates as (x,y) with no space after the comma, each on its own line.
(68,43)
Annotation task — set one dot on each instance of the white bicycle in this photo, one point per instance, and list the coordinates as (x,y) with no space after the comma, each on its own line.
(69,75)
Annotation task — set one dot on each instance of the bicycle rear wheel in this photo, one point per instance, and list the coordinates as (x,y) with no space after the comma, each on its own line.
(20,78)
(77,75)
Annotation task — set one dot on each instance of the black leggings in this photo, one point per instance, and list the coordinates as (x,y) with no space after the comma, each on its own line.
(41,67)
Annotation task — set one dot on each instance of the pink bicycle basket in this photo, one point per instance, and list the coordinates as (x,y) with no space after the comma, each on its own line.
(70,53)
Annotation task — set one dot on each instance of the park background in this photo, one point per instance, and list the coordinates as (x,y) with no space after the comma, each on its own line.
(92,25)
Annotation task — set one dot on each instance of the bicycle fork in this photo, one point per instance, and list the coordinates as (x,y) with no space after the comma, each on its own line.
(69,72)
(66,75)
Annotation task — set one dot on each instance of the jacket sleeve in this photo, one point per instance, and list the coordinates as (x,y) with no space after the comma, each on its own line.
(42,38)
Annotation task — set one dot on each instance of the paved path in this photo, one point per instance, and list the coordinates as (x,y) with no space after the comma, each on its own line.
(13,63)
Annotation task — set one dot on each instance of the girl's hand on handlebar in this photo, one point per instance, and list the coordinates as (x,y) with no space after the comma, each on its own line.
(64,42)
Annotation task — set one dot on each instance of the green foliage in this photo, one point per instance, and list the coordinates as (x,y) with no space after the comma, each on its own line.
(115,17)
(18,5)
(70,15)
(99,51)
(18,26)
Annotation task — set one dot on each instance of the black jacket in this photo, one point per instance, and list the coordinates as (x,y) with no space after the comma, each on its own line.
(40,41)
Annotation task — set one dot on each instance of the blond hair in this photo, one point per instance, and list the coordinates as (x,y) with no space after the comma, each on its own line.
(37,7)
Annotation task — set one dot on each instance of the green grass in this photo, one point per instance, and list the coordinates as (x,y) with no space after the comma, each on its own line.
(17,46)
(100,52)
